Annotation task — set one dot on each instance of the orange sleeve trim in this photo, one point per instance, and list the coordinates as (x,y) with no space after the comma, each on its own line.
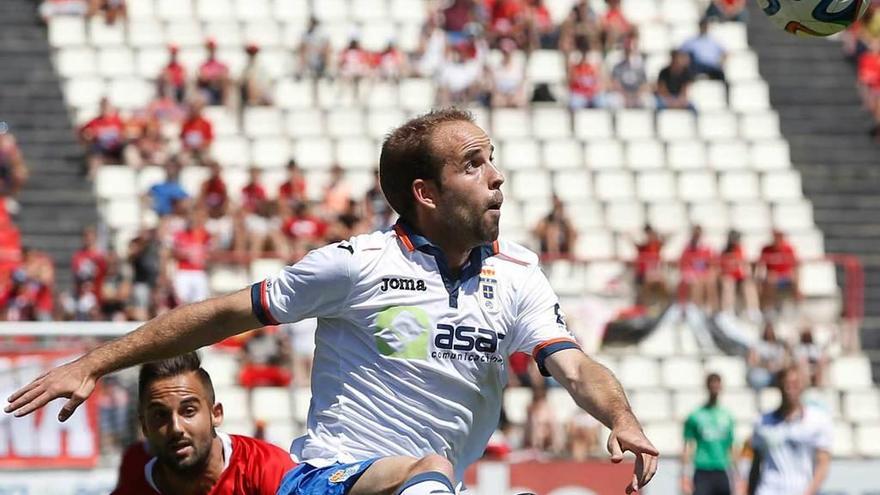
(546,343)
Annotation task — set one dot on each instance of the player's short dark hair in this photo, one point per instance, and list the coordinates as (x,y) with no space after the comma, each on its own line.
(167,368)
(407,155)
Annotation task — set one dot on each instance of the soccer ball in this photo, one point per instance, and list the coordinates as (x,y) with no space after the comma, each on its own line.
(814,17)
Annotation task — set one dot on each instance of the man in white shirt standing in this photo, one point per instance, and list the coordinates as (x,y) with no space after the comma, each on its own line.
(415,325)
(791,445)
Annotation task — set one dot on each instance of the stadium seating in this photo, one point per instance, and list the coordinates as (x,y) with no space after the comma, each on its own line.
(724,166)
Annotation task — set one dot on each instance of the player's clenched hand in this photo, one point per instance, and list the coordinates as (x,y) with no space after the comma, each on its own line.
(72,381)
(630,437)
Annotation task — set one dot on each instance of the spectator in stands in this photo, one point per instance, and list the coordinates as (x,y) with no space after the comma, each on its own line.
(458,16)
(115,289)
(166,109)
(727,11)
(460,78)
(148,145)
(164,194)
(146,259)
(113,413)
(53,8)
(13,170)
(779,266)
(869,82)
(698,275)
(736,276)
(707,55)
(507,22)
(112,10)
(10,246)
(673,83)
(104,138)
(172,79)
(555,232)
(349,223)
(261,221)
(542,32)
(213,196)
(650,280)
(585,87)
(766,358)
(191,251)
(614,26)
(354,66)
(89,263)
(28,295)
(376,209)
(213,79)
(431,51)
(304,230)
(858,38)
(508,79)
(314,50)
(709,442)
(542,428)
(265,359)
(811,358)
(629,82)
(196,134)
(293,191)
(255,84)
(80,303)
(392,63)
(582,436)
(580,31)
(337,193)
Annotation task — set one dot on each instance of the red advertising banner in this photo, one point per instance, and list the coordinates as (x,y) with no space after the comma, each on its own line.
(39,440)
(549,478)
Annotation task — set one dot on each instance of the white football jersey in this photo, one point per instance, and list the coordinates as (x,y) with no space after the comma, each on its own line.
(408,360)
(788,449)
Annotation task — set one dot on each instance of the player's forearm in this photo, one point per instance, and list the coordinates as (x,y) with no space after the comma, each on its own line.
(819,474)
(181,330)
(595,389)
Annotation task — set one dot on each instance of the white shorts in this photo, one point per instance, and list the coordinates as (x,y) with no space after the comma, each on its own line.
(191,286)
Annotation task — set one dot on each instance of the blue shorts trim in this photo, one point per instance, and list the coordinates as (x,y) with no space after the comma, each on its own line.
(337,479)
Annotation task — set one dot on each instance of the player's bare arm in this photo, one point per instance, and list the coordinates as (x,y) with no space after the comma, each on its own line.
(820,471)
(182,330)
(595,389)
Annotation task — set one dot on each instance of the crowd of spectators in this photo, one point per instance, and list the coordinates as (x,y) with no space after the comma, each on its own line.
(862,47)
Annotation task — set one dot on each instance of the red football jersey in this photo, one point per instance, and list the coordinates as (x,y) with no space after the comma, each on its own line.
(254,468)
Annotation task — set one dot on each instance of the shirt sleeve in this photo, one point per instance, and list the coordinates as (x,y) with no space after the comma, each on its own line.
(539,328)
(824,433)
(689,430)
(319,285)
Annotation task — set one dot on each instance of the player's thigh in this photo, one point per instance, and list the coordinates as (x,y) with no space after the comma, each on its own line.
(384,476)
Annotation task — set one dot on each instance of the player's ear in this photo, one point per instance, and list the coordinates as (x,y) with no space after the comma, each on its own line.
(217,415)
(425,192)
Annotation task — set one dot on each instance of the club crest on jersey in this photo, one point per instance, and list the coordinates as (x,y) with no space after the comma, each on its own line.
(403,284)
(344,474)
(488,290)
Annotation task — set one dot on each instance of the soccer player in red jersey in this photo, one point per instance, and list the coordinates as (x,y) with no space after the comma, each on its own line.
(184,453)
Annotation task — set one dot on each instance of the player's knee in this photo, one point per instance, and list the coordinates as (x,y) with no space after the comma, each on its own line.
(432,462)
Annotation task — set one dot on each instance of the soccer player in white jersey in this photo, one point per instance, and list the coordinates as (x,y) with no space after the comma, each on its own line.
(791,445)
(415,325)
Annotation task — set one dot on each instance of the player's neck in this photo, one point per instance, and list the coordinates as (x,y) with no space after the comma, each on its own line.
(169,481)
(454,250)
(788,410)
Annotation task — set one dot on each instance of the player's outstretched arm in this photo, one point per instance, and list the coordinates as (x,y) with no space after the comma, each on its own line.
(182,330)
(595,389)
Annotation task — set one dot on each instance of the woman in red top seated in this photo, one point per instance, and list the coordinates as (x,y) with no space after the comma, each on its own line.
(736,274)
(698,274)
(650,281)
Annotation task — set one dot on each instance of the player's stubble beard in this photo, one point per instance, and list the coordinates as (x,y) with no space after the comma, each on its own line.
(466,219)
(193,464)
